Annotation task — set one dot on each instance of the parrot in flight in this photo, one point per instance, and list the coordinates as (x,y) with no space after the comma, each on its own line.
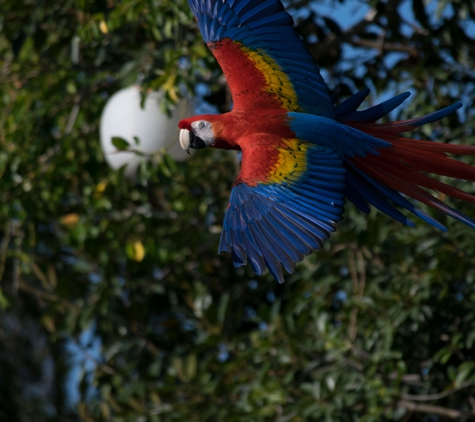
(302,156)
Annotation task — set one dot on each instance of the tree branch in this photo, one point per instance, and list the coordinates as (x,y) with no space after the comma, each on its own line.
(438,396)
(383,46)
(434,410)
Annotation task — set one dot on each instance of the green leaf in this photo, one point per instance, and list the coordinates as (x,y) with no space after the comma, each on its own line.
(120,143)
(3,300)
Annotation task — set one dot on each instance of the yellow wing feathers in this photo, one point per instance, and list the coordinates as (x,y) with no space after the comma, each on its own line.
(277,82)
(291,164)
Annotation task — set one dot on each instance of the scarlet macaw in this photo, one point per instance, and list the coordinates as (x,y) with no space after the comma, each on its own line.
(301,155)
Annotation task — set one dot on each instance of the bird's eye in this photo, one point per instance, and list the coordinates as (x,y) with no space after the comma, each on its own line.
(201,125)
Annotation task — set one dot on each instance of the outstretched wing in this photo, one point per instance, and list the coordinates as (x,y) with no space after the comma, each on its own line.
(265,62)
(286,201)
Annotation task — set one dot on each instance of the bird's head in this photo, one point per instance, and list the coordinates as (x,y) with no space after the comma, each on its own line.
(197,132)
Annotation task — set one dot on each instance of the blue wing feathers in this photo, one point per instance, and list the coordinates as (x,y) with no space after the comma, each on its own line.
(246,214)
(268,252)
(286,195)
(326,184)
(279,237)
(266,27)
(376,196)
(262,206)
(279,19)
(207,27)
(321,195)
(304,206)
(249,238)
(239,242)
(240,252)
(225,241)
(236,259)
(432,117)
(244,195)
(219,32)
(278,224)
(242,6)
(291,233)
(324,207)
(326,160)
(311,221)
(352,103)
(216,10)
(375,113)
(220,13)
(322,169)
(254,257)
(250,213)
(301,233)
(373,191)
(344,140)
(352,193)
(306,222)
(346,111)
(289,218)
(264,10)
(333,197)
(225,16)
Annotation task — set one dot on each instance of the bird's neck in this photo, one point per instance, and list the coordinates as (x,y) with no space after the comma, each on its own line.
(233,128)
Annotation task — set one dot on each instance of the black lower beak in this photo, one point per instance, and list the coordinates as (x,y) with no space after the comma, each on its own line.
(196,142)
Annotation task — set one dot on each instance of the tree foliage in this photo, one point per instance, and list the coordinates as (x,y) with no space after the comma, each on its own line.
(379,325)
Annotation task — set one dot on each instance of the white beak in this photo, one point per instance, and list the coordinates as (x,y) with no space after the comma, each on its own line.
(185,140)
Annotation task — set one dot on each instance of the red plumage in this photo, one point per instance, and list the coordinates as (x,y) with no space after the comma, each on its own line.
(248,90)
(402,165)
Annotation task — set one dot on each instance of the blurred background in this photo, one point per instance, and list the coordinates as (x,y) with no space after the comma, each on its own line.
(114,304)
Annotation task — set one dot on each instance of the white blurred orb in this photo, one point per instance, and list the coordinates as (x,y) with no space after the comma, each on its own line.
(124,117)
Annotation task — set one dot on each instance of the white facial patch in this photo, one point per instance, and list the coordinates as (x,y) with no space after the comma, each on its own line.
(204,130)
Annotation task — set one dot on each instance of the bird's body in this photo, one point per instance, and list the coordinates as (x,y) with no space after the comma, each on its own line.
(231,129)
(301,155)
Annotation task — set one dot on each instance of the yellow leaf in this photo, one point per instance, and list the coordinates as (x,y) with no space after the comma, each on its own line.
(52,276)
(180,369)
(105,410)
(138,251)
(70,220)
(103,27)
(169,86)
(100,187)
(173,94)
(48,323)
